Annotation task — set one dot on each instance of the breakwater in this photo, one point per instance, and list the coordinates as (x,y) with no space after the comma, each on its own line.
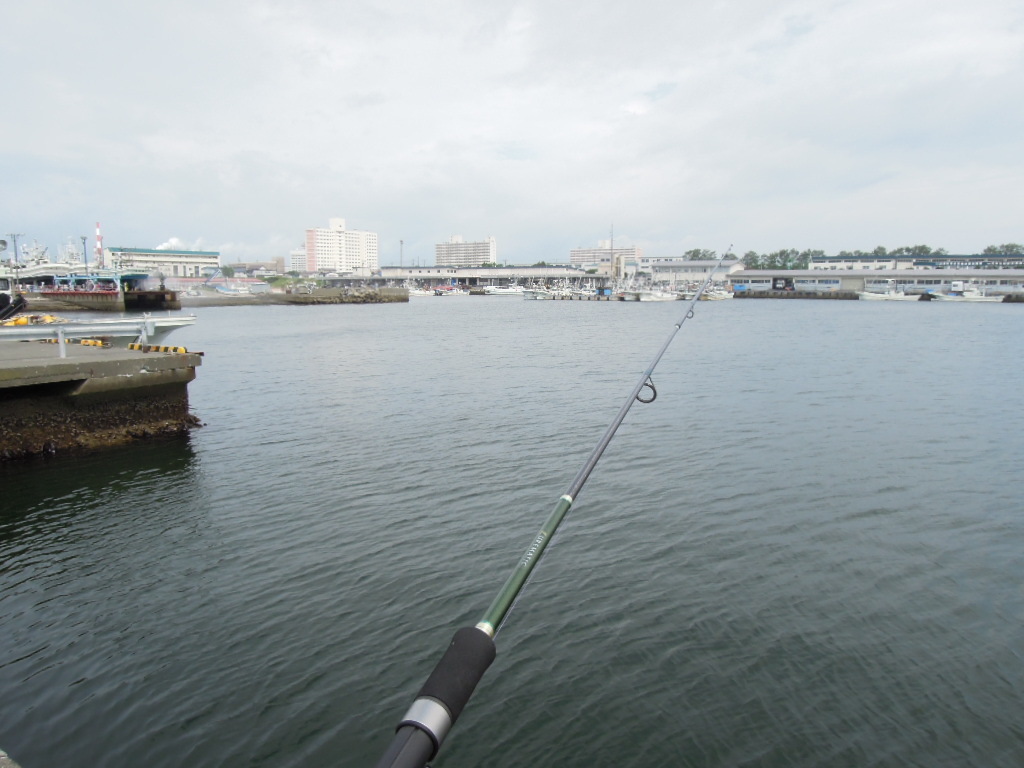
(92,397)
(341,296)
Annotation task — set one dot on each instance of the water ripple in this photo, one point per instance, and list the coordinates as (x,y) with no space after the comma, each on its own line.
(802,554)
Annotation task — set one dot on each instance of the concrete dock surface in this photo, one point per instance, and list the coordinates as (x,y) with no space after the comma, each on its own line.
(91,398)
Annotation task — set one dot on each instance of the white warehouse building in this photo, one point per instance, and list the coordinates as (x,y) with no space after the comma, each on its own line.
(159,261)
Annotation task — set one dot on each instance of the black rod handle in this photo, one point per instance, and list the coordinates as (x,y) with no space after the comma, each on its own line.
(440,700)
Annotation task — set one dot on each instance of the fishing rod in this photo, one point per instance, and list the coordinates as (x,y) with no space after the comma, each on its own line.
(442,698)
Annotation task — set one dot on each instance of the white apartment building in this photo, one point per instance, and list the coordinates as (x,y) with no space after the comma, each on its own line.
(605,258)
(338,250)
(297,261)
(169,263)
(458,253)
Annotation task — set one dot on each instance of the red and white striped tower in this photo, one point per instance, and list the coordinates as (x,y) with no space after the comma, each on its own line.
(99,245)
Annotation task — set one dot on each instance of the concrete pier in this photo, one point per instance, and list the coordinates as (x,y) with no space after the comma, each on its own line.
(93,397)
(342,295)
(834,295)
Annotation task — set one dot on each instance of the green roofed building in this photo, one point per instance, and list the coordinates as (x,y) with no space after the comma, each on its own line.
(170,263)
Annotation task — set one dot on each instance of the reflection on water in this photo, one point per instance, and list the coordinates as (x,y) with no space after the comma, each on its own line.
(51,491)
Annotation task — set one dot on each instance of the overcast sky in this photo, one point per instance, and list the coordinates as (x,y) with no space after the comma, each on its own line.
(234,126)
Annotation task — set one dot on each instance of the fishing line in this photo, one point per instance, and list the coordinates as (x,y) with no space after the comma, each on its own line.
(441,699)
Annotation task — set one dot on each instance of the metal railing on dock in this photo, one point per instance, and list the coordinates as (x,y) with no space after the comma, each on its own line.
(61,332)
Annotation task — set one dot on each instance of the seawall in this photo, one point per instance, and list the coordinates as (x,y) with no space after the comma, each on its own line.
(94,397)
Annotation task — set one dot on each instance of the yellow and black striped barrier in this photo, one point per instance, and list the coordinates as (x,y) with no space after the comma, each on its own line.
(151,348)
(83,342)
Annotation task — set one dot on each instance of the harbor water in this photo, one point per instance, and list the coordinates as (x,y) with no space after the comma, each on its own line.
(807,551)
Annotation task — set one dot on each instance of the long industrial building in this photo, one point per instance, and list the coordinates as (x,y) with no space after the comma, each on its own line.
(163,261)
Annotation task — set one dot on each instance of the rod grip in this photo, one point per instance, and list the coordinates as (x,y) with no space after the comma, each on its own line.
(456,675)
(440,701)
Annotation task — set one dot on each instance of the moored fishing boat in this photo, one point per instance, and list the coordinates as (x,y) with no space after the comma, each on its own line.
(503,290)
(89,291)
(949,297)
(75,284)
(538,292)
(971,292)
(892,293)
(646,292)
(715,294)
(232,290)
(657,295)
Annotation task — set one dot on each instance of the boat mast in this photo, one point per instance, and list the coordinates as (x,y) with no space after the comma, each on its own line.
(611,252)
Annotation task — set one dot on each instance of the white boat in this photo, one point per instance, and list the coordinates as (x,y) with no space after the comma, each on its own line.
(416,289)
(503,290)
(119,332)
(538,293)
(887,296)
(656,295)
(715,294)
(892,293)
(233,289)
(944,297)
(969,292)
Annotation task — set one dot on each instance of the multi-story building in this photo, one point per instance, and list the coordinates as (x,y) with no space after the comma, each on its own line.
(297,261)
(681,271)
(341,251)
(158,261)
(606,259)
(458,253)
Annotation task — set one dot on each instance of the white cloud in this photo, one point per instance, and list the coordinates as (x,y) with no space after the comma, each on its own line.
(687,124)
